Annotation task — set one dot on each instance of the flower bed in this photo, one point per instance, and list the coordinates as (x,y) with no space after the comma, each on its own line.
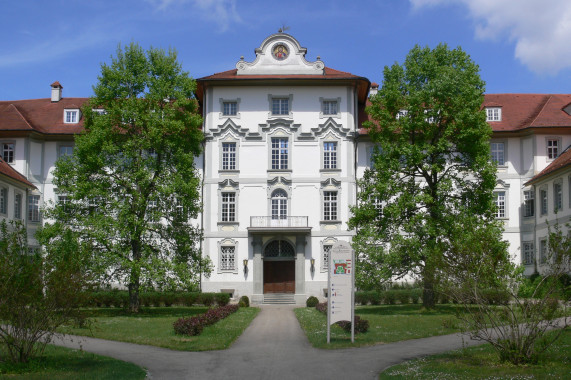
(194,325)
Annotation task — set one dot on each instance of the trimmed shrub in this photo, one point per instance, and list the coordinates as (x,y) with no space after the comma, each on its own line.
(194,325)
(311,301)
(189,298)
(403,296)
(389,297)
(361,298)
(222,299)
(374,297)
(361,325)
(322,307)
(244,301)
(207,299)
(415,295)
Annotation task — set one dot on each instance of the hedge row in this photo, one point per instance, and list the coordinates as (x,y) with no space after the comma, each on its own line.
(194,325)
(120,298)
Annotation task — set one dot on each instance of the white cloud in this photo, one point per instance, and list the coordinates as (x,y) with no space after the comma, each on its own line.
(221,12)
(540,29)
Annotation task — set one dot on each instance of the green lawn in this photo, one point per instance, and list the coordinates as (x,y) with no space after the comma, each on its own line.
(154,326)
(387,323)
(482,362)
(63,363)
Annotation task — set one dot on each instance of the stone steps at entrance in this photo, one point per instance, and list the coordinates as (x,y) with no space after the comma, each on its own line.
(279,298)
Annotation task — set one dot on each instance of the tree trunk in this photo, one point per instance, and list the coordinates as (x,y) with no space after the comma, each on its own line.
(135,278)
(428,300)
(134,296)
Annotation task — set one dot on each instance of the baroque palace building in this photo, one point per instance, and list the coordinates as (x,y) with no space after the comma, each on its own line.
(284,147)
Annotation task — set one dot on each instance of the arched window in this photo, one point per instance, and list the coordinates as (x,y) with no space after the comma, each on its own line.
(279,204)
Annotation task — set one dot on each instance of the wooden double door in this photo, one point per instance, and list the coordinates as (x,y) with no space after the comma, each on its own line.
(279,276)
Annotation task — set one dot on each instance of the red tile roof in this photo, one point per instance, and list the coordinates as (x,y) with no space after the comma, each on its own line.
(40,115)
(521,111)
(9,171)
(561,162)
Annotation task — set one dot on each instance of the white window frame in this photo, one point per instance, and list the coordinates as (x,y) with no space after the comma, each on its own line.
(279,160)
(71,116)
(4,200)
(281,113)
(502,151)
(330,155)
(228,207)
(552,151)
(228,264)
(66,147)
(500,199)
(557,195)
(325,107)
(9,151)
(225,115)
(228,156)
(493,114)
(330,205)
(401,114)
(326,246)
(527,253)
(18,197)
(279,204)
(34,208)
(543,201)
(528,203)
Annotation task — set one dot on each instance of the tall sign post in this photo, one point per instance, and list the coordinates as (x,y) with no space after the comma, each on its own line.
(341,279)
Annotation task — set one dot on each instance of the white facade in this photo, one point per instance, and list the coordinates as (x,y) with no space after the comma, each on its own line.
(284,146)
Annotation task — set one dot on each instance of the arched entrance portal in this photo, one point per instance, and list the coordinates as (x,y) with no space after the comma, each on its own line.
(279,267)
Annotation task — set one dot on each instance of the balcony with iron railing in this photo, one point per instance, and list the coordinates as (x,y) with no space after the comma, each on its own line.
(282,223)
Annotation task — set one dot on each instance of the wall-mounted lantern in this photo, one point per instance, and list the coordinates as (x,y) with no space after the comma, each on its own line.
(312,261)
(245,261)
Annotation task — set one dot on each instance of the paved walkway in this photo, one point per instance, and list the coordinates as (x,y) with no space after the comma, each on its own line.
(272,347)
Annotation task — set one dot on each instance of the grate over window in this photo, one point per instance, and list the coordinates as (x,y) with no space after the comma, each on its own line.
(279,248)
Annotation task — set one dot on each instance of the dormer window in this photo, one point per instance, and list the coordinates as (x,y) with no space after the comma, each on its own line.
(401,114)
(493,114)
(71,116)
(99,111)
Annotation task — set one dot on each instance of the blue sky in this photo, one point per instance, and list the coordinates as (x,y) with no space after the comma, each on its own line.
(522,46)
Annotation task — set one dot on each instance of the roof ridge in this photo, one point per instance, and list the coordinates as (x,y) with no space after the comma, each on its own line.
(15,175)
(541,110)
(12,105)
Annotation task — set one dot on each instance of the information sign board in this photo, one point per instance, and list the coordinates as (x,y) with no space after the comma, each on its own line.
(341,280)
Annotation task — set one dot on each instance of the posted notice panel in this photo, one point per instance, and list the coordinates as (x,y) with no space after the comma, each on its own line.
(341,283)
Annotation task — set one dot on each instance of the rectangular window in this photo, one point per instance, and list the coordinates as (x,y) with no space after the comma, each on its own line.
(228,207)
(377,204)
(227,258)
(329,205)
(527,252)
(8,152)
(493,114)
(528,203)
(63,201)
(3,200)
(229,108)
(552,149)
(557,196)
(497,150)
(280,106)
(326,255)
(279,153)
(18,206)
(543,199)
(228,156)
(543,251)
(65,150)
(330,155)
(71,116)
(500,199)
(330,107)
(34,208)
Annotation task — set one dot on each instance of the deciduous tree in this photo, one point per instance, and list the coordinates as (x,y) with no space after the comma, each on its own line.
(430,168)
(131,188)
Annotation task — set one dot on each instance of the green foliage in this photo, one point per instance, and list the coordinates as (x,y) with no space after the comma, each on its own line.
(312,301)
(131,184)
(222,299)
(431,168)
(38,291)
(207,299)
(244,301)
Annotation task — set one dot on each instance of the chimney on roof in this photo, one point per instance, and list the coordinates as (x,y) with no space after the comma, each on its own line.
(374,89)
(56,91)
